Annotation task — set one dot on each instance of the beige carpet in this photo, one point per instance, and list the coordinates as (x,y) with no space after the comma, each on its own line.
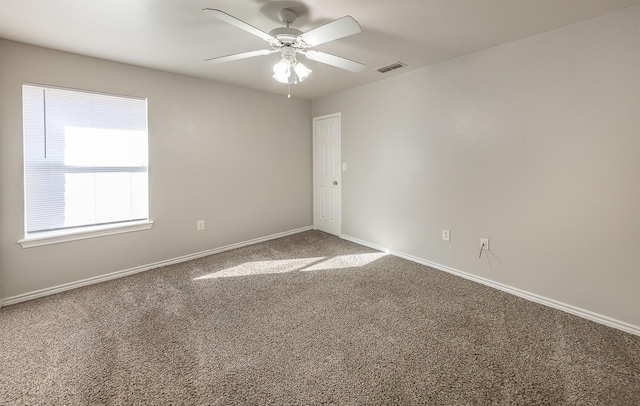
(307,319)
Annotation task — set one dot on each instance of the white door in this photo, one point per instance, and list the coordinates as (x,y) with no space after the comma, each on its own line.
(326,174)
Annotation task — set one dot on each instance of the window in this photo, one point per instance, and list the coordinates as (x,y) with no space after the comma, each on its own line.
(85,163)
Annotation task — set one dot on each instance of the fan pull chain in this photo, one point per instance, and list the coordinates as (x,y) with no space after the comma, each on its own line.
(289,94)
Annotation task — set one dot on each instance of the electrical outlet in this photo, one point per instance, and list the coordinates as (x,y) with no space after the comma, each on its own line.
(445,235)
(484,242)
(200,225)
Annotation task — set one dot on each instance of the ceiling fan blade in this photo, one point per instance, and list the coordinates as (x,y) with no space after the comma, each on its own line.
(336,61)
(340,28)
(221,15)
(243,55)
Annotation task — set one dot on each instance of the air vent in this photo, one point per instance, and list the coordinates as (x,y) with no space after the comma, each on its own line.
(392,66)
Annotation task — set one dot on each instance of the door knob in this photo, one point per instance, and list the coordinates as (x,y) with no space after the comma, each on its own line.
(335,182)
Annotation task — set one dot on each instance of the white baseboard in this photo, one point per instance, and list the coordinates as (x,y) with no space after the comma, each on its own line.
(576,311)
(119,274)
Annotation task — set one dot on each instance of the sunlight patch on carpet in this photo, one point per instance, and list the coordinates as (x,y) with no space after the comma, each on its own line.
(345,261)
(297,264)
(262,268)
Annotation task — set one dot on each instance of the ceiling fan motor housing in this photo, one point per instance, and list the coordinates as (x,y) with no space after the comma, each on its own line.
(287,36)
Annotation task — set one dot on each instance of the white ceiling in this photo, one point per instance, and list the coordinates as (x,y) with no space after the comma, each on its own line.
(174,35)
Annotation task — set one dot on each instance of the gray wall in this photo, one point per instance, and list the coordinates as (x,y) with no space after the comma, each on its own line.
(534,144)
(240,159)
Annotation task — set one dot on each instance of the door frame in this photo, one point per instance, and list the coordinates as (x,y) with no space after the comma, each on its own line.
(337,115)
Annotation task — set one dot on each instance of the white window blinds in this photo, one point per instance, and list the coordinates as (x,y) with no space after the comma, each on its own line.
(85,159)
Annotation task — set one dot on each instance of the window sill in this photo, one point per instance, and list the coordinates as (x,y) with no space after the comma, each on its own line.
(56,237)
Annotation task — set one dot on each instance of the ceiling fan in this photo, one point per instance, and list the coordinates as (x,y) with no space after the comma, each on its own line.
(291,42)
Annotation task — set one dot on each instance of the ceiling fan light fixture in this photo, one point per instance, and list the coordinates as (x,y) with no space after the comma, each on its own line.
(301,71)
(282,71)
